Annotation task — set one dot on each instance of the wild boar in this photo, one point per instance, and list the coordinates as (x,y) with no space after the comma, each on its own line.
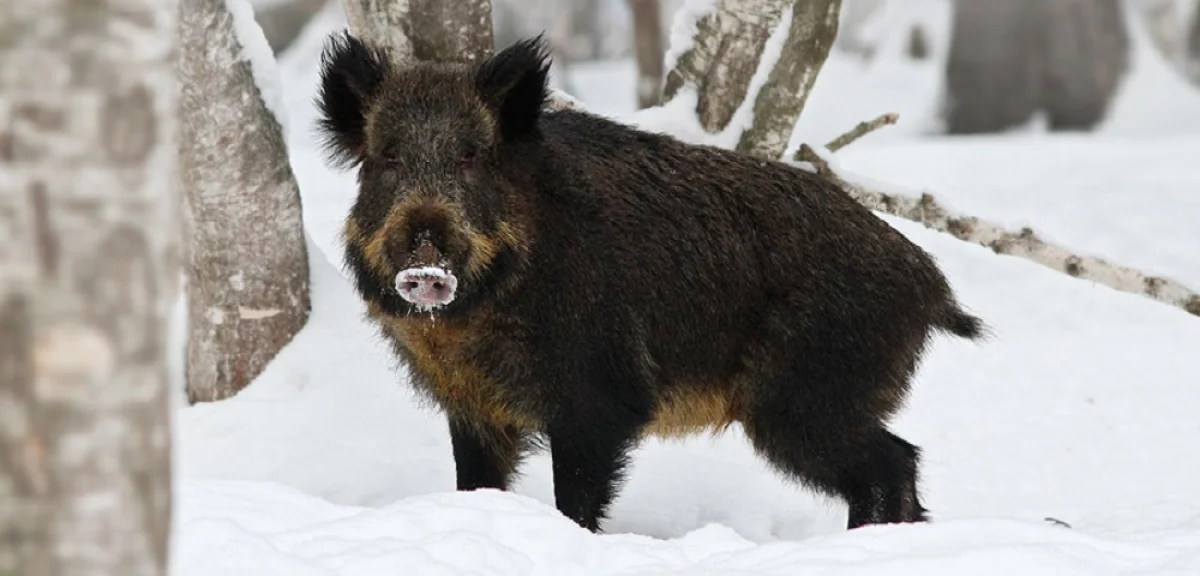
(558,278)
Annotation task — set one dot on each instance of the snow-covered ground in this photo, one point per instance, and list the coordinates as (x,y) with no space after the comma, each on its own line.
(1082,408)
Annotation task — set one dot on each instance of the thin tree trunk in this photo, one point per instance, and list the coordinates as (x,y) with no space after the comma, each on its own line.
(248,278)
(725,52)
(779,102)
(88,270)
(648,45)
(727,49)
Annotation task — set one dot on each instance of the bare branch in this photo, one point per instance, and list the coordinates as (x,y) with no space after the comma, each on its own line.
(862,129)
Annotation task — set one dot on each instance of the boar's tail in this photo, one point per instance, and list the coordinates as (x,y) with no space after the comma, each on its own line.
(962,324)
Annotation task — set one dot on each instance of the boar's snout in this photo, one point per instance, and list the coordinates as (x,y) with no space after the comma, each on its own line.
(426,287)
(425,283)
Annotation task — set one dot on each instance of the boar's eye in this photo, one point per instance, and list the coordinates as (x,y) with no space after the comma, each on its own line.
(466,157)
(391,156)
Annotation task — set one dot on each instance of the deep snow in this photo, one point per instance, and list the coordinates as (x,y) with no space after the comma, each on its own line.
(1081,408)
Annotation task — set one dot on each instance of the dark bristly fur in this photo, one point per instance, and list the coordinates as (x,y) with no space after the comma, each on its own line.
(615,284)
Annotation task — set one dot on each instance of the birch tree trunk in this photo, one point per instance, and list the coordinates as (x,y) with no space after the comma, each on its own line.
(427,30)
(728,47)
(648,46)
(88,270)
(248,277)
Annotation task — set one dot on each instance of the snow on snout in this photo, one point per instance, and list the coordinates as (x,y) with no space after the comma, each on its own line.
(427,287)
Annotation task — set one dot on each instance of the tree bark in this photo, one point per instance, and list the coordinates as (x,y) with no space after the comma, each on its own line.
(779,102)
(1011,59)
(248,277)
(382,23)
(648,46)
(425,30)
(88,271)
(727,50)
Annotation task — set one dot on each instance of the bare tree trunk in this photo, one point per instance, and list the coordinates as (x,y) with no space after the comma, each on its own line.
(427,30)
(282,23)
(1010,59)
(727,49)
(725,52)
(993,81)
(779,102)
(1192,56)
(248,278)
(88,270)
(648,45)
(1087,53)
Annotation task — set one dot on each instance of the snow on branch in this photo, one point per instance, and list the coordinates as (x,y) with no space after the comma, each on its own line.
(1023,243)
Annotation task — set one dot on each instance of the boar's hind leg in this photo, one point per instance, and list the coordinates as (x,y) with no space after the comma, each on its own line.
(485,456)
(845,455)
(588,461)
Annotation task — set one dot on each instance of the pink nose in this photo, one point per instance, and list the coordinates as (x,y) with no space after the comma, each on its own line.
(426,287)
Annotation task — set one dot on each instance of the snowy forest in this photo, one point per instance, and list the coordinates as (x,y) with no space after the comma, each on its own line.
(602,287)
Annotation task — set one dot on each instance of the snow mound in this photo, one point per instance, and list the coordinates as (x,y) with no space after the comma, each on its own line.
(259,530)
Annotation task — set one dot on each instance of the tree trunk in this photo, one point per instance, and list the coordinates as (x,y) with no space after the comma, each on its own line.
(779,102)
(1087,53)
(648,45)
(427,30)
(1011,59)
(383,23)
(282,23)
(1192,56)
(88,271)
(727,49)
(248,283)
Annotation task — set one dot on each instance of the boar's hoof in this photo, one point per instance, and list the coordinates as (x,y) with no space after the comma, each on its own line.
(426,287)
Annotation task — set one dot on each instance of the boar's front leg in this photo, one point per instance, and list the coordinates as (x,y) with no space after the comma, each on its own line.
(589,456)
(485,455)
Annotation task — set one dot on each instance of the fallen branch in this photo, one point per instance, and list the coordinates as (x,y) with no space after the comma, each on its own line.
(1022,244)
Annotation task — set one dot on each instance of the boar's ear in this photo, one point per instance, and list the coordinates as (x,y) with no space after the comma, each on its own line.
(513,85)
(351,74)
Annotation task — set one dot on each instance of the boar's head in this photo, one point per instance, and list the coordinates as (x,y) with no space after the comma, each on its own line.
(442,149)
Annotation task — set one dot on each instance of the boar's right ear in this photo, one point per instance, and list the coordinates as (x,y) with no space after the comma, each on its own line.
(351,74)
(513,85)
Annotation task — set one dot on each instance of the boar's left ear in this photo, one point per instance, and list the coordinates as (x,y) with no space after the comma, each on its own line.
(513,85)
(352,73)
